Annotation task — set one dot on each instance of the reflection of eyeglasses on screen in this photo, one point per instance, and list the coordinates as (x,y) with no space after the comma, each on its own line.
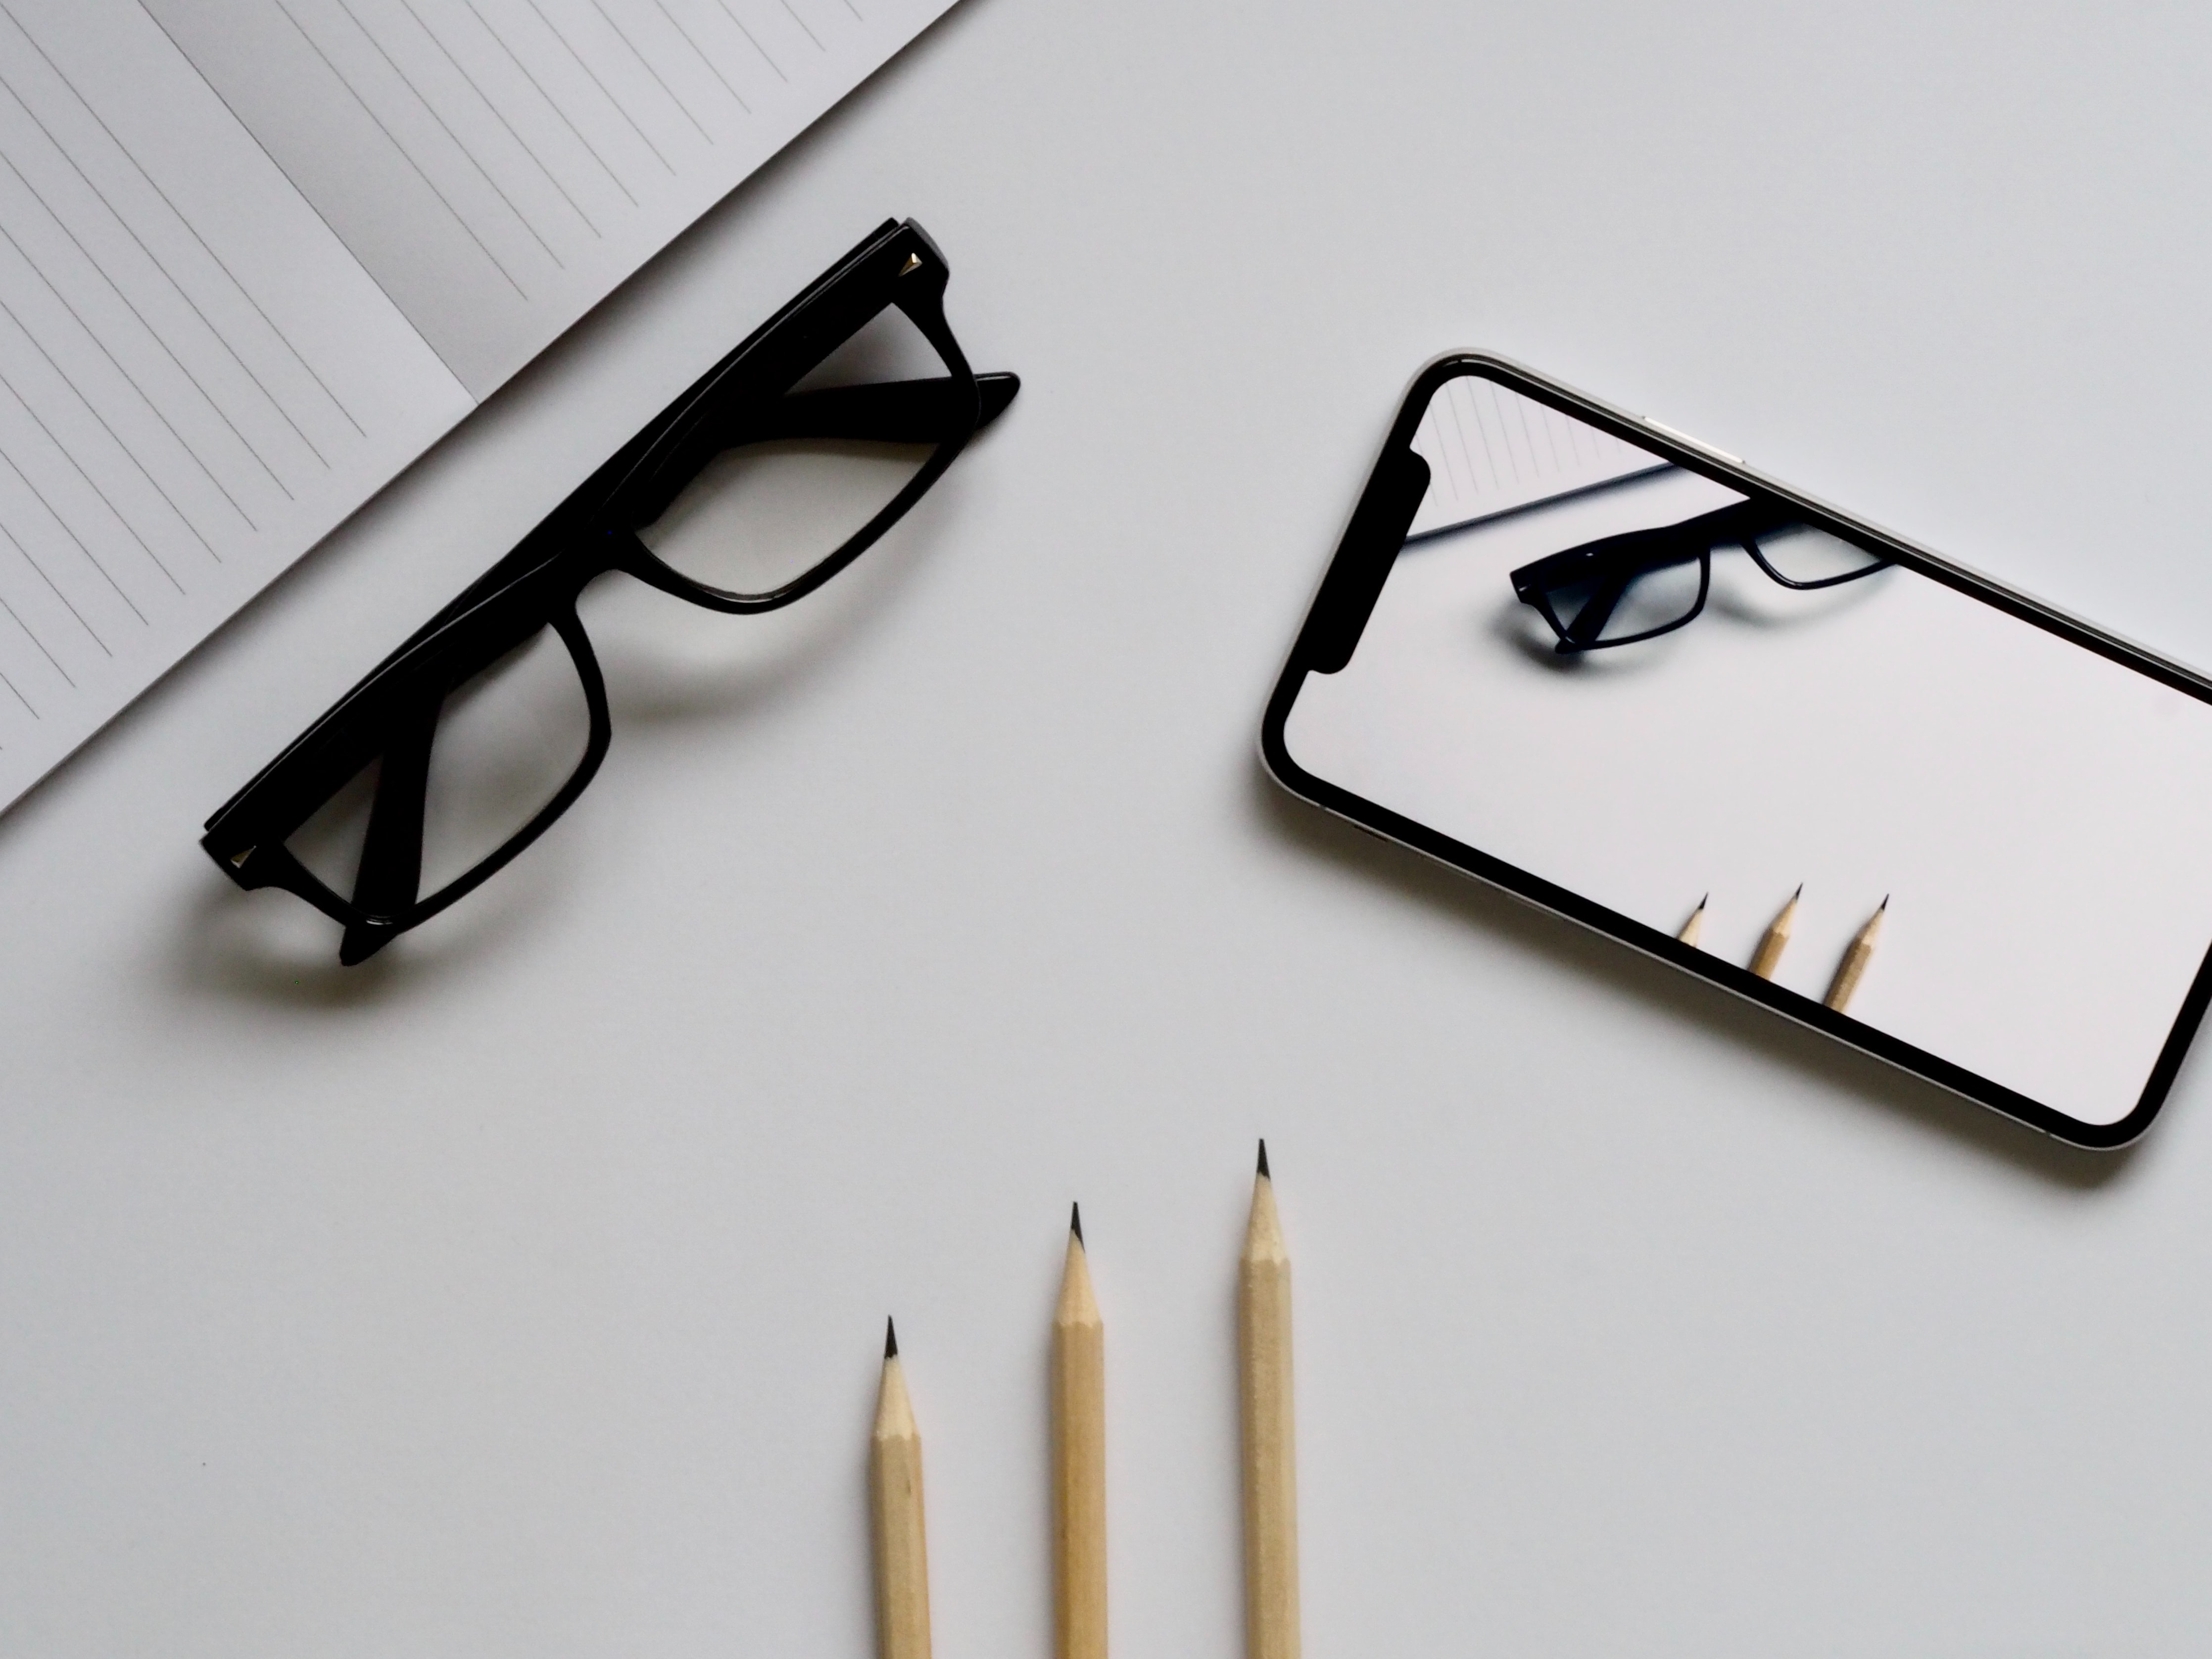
(867,452)
(1624,588)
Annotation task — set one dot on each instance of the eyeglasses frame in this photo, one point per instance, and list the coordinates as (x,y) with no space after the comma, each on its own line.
(746,396)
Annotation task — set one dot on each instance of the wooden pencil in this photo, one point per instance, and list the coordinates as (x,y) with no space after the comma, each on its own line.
(1857,955)
(1694,928)
(1271,1474)
(1776,940)
(895,1512)
(1078,1459)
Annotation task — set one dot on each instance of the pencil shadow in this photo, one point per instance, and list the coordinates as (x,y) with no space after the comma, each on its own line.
(1842,1068)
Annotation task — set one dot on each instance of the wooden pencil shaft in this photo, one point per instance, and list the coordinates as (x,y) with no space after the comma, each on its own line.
(896,1517)
(1079,1466)
(1857,955)
(1847,975)
(1768,958)
(1769,955)
(1271,1476)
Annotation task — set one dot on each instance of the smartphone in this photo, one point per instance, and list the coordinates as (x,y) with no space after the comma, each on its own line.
(1610,669)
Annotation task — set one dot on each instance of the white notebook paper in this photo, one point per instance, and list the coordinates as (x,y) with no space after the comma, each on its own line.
(257,255)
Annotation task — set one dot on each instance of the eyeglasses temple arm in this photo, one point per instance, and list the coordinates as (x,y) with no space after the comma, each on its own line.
(891,411)
(391,853)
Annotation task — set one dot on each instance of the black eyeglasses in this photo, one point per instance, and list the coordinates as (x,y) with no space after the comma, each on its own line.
(1624,588)
(746,428)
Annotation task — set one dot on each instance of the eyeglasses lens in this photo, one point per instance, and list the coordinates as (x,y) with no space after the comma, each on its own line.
(503,745)
(761,514)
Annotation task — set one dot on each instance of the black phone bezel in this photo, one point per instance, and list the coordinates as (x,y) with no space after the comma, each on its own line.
(1355,578)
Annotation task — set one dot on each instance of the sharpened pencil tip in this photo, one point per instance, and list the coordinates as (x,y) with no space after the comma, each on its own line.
(1075,1221)
(1704,902)
(1263,1160)
(890,1341)
(1883,906)
(1799,894)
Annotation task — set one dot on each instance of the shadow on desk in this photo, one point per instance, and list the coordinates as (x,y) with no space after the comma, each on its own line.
(1683,996)
(269,948)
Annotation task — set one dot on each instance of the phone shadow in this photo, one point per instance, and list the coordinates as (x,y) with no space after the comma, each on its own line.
(1686,998)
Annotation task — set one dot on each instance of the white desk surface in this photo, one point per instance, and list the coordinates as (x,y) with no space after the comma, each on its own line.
(519,1294)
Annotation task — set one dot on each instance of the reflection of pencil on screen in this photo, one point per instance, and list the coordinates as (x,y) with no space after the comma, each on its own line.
(1776,940)
(1857,955)
(1695,925)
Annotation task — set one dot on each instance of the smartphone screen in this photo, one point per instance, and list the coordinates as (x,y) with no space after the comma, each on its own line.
(1625,677)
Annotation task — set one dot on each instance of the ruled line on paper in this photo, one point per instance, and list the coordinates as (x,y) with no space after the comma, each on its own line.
(8,452)
(712,68)
(753,40)
(467,154)
(793,13)
(552,104)
(115,286)
(154,417)
(646,64)
(77,465)
(47,576)
(118,148)
(30,633)
(500,115)
(606,92)
(152,407)
(405,153)
(145,398)
(174,284)
(74,446)
(804,28)
(462,94)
